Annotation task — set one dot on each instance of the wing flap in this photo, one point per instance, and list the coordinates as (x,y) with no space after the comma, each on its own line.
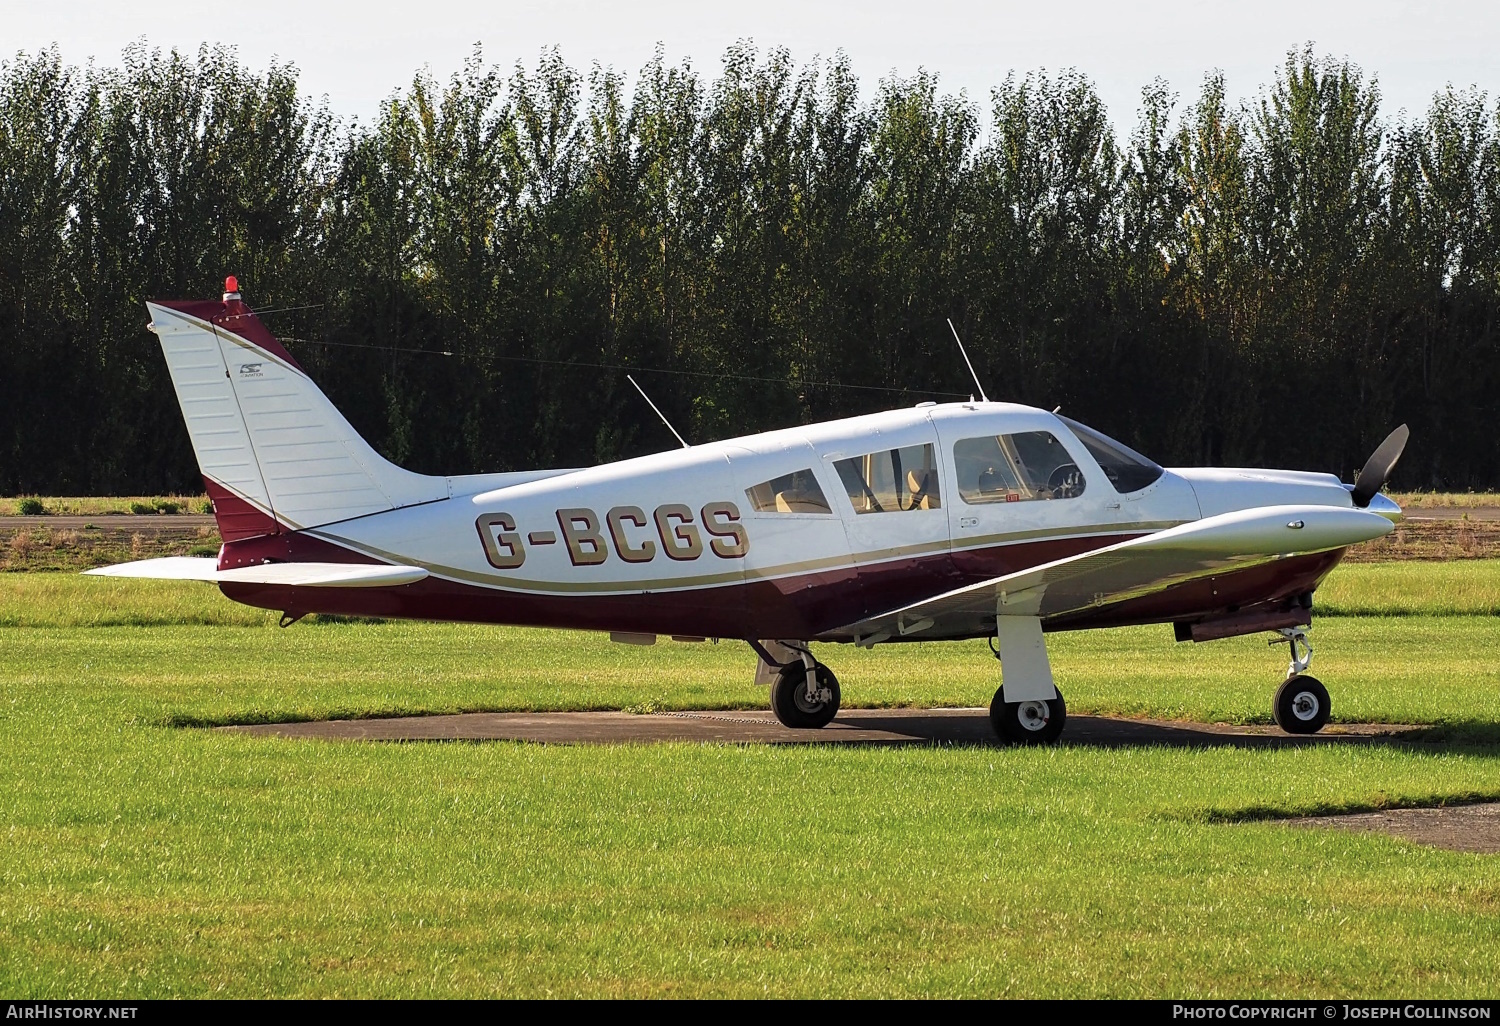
(301,575)
(1130,569)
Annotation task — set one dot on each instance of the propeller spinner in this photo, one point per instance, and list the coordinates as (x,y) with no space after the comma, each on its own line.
(1378,467)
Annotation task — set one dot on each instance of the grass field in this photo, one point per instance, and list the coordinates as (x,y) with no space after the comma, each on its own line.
(1431,500)
(104,505)
(142,858)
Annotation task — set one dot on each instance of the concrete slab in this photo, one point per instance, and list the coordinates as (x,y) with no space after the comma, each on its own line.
(853,726)
(1473,828)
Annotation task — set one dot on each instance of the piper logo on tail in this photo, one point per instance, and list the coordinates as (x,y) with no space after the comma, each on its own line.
(627,532)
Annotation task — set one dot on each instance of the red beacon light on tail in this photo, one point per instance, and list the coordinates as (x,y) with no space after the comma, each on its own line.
(231,288)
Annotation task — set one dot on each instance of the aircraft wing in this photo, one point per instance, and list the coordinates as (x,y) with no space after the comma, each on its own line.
(302,575)
(1130,569)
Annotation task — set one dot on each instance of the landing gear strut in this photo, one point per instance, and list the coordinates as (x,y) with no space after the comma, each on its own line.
(1301,705)
(1027,709)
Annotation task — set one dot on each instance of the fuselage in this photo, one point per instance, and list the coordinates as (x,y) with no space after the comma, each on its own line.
(794,533)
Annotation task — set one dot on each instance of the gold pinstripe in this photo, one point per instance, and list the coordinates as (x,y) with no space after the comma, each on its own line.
(737,576)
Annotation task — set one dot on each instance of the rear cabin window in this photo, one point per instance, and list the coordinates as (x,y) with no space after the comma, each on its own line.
(1127,470)
(1021,467)
(797,492)
(892,480)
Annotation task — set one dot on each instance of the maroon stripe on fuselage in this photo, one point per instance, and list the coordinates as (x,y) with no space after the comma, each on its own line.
(801,606)
(804,606)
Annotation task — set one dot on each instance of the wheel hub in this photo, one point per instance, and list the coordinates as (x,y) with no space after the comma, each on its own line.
(810,704)
(1033,716)
(1305,706)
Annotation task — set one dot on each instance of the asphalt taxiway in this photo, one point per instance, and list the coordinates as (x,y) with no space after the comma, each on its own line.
(853,726)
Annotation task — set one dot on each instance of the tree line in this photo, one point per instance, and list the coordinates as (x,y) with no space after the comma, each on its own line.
(471,275)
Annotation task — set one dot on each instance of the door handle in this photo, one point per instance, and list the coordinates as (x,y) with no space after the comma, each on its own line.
(1111,505)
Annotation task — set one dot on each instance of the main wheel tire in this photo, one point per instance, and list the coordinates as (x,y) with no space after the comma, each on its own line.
(1301,705)
(789,698)
(1036,722)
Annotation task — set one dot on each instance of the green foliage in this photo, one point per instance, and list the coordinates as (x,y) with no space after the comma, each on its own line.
(1271,284)
(142,508)
(30,508)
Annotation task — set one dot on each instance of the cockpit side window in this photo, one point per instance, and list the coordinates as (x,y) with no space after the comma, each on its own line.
(1127,470)
(797,492)
(1021,467)
(892,480)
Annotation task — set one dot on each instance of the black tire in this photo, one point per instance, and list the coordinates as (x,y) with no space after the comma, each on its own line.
(1301,705)
(789,698)
(1028,723)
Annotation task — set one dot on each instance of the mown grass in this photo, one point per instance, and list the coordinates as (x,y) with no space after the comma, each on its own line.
(1459,588)
(170,863)
(73,600)
(139,859)
(1378,670)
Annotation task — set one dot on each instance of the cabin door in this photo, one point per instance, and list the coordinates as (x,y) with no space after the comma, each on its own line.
(1023,492)
(892,498)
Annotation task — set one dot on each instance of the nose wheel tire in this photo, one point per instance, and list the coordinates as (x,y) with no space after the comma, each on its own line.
(1035,722)
(1301,705)
(791,705)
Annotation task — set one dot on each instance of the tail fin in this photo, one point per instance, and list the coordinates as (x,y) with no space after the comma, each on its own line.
(274,452)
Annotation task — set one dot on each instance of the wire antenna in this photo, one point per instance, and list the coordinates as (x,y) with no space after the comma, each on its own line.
(663,416)
(961,349)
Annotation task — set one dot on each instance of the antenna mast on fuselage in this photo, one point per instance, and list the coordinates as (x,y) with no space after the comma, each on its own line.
(663,416)
(965,352)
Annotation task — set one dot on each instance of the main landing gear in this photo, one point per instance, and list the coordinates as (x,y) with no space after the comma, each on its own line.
(1027,709)
(804,699)
(804,692)
(1037,721)
(1301,705)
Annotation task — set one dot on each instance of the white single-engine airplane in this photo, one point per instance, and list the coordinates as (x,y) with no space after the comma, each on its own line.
(959,520)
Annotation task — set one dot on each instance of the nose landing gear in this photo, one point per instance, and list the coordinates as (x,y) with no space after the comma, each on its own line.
(1301,705)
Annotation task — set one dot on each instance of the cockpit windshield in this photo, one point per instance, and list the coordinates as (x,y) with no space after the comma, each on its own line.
(1127,470)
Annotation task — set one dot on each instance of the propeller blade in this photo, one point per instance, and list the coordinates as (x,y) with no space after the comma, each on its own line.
(1379,466)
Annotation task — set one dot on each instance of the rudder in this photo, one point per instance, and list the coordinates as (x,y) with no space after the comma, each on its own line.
(273,450)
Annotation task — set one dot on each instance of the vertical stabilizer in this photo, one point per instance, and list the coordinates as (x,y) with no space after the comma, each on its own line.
(264,434)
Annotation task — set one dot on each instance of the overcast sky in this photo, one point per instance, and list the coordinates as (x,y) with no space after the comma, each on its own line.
(356,54)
